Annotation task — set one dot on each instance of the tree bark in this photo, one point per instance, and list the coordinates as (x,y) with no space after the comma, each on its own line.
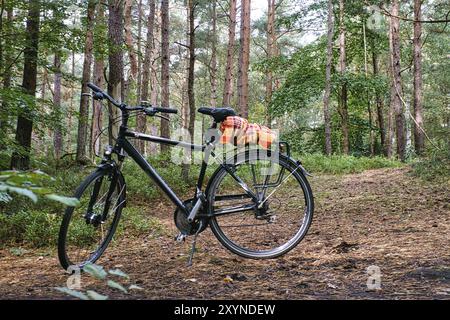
(380,105)
(131,81)
(326,96)
(191,97)
(271,50)
(228,86)
(24,123)
(244,59)
(343,108)
(165,61)
(83,122)
(213,63)
(148,56)
(396,85)
(419,137)
(6,72)
(115,81)
(57,138)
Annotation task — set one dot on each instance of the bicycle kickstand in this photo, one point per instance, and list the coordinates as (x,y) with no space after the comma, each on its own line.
(194,242)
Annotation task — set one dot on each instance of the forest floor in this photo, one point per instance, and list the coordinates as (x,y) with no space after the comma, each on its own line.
(383,218)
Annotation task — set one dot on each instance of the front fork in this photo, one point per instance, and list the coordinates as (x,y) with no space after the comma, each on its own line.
(107,163)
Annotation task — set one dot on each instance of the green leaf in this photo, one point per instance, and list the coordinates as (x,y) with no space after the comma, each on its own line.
(95,271)
(73,293)
(120,273)
(116,285)
(71,202)
(21,191)
(96,296)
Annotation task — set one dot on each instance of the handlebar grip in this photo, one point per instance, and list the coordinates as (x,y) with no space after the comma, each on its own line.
(165,110)
(94,87)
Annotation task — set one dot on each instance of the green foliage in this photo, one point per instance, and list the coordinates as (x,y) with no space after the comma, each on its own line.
(434,167)
(31,185)
(99,273)
(338,164)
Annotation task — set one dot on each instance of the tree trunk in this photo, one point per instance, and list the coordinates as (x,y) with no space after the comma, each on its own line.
(419,137)
(98,78)
(6,72)
(228,86)
(380,105)
(24,123)
(213,64)
(57,138)
(244,59)
(83,122)
(270,53)
(343,108)
(131,81)
(139,50)
(115,81)
(396,85)
(141,118)
(326,96)
(369,107)
(165,61)
(190,91)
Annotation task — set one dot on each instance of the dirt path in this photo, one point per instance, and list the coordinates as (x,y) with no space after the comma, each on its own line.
(380,218)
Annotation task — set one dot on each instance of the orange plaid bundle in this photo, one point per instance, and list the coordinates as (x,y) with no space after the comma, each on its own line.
(238,131)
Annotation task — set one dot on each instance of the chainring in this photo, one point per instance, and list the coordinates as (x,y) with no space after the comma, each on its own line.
(186,227)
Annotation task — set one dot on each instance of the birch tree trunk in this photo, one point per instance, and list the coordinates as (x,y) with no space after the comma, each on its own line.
(57,134)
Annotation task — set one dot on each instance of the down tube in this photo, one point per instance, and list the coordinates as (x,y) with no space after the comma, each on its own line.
(151,172)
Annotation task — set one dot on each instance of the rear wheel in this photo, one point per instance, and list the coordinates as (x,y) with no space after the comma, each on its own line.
(260,231)
(87,229)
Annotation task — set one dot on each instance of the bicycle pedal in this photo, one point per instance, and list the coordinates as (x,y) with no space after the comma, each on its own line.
(181,237)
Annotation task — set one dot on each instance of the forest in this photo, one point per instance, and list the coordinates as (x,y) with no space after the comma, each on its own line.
(359,89)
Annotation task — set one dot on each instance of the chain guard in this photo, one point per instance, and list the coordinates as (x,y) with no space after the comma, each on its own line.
(186,227)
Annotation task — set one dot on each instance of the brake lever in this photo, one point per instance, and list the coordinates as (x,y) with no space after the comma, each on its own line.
(162,117)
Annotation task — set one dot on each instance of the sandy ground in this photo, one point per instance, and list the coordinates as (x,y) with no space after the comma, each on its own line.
(384,220)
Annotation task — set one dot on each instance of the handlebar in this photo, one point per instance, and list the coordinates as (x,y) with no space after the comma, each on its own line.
(149,110)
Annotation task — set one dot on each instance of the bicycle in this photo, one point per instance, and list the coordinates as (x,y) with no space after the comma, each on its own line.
(244,202)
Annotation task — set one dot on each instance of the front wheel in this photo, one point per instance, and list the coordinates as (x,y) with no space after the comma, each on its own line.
(270,224)
(87,229)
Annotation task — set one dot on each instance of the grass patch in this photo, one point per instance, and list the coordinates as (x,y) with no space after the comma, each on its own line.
(337,164)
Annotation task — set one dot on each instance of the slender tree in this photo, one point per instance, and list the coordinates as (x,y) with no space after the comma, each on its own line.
(57,134)
(379,103)
(165,61)
(99,81)
(244,59)
(326,96)
(115,79)
(396,84)
(213,61)
(141,119)
(271,50)
(343,107)
(129,42)
(228,86)
(83,121)
(419,139)
(24,123)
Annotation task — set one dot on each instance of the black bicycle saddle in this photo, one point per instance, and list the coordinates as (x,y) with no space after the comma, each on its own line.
(219,114)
